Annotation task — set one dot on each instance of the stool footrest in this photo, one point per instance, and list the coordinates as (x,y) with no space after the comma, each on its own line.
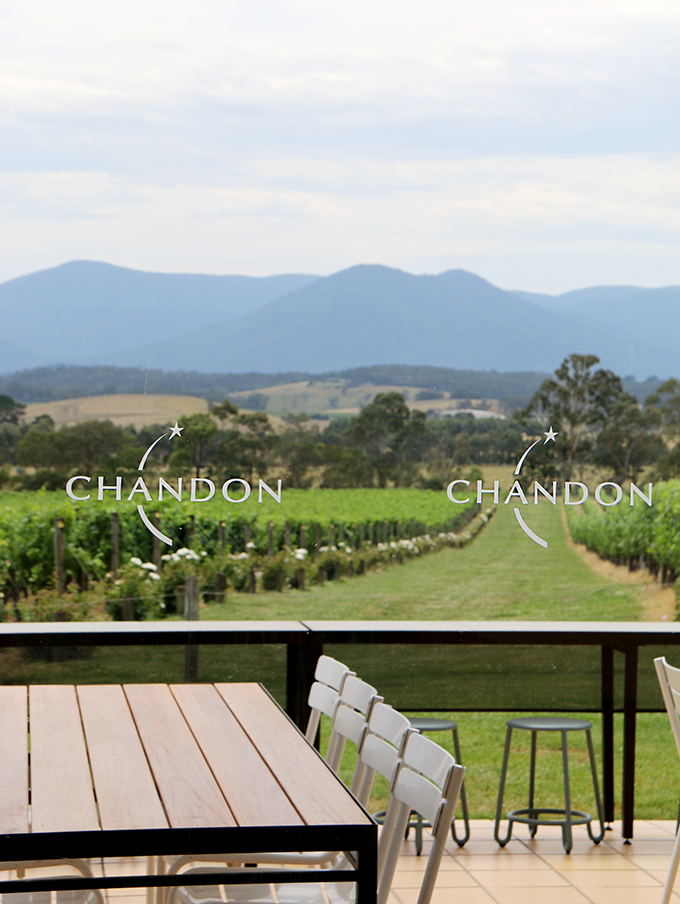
(578,817)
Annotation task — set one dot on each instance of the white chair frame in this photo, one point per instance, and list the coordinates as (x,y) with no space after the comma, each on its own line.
(669,681)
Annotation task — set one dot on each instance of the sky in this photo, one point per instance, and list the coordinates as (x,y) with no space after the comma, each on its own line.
(536,145)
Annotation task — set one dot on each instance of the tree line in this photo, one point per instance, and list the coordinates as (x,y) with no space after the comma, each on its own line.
(600,424)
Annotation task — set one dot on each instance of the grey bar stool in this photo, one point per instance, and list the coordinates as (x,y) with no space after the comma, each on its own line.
(423,725)
(546,816)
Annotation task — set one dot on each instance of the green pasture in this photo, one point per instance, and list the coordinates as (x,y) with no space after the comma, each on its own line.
(501,575)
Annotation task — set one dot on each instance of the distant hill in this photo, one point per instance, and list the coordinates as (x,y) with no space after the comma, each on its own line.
(66,313)
(377,315)
(51,384)
(88,313)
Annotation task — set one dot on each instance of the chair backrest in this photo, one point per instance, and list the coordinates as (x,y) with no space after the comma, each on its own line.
(379,749)
(427,780)
(329,678)
(669,681)
(357,699)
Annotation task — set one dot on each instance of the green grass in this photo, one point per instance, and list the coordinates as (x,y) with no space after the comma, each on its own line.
(482,736)
(501,575)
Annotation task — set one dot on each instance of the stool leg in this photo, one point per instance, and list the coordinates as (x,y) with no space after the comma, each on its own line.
(566,828)
(463,800)
(501,791)
(419,834)
(532,783)
(596,788)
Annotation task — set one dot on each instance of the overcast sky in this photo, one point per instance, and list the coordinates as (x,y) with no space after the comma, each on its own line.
(534,144)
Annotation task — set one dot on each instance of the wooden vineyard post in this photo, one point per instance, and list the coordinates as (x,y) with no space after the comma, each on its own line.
(331,536)
(270,539)
(361,537)
(115,544)
(253,581)
(220,586)
(342,533)
(128,609)
(318,539)
(59,555)
(222,534)
(370,533)
(156,542)
(300,579)
(246,537)
(192,531)
(301,537)
(191,614)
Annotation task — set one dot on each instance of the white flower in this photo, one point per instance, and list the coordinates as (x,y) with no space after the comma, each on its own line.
(166,558)
(135,561)
(149,566)
(183,551)
(154,576)
(300,553)
(204,553)
(250,545)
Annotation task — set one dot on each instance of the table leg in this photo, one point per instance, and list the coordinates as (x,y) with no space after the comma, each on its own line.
(629,713)
(608,732)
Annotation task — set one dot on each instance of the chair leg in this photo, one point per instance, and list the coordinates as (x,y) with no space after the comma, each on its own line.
(501,791)
(567,839)
(672,872)
(463,799)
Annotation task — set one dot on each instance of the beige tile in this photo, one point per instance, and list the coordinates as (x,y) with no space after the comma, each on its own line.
(555,846)
(644,846)
(650,861)
(566,863)
(499,878)
(445,896)
(450,879)
(625,895)
(501,860)
(475,846)
(419,864)
(604,878)
(528,895)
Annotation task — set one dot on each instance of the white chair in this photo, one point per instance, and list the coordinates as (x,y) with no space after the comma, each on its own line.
(669,680)
(329,678)
(357,698)
(426,780)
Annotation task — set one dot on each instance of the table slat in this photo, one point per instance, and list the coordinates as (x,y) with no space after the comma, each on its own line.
(254,795)
(318,796)
(190,794)
(125,788)
(62,798)
(14,760)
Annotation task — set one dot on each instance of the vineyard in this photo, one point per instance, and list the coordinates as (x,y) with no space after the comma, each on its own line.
(313,535)
(636,536)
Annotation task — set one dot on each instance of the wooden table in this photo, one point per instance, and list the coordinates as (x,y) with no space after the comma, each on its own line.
(155,769)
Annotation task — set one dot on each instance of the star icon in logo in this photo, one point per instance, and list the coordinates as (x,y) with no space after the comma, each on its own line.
(177,431)
(550,435)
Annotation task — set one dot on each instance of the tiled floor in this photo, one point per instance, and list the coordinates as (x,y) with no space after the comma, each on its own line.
(524,872)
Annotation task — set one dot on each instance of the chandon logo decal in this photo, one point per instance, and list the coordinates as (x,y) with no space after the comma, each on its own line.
(575,492)
(197,485)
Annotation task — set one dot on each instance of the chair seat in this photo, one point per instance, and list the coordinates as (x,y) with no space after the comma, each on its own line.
(424,724)
(549,723)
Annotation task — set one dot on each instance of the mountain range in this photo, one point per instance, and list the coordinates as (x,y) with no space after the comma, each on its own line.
(89,313)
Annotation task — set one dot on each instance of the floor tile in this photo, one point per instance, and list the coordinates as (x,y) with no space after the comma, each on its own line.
(515,878)
(598,878)
(444,880)
(527,895)
(444,896)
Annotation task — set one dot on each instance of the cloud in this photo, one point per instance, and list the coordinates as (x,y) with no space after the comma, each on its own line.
(420,135)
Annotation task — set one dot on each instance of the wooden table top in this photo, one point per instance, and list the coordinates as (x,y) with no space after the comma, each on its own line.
(161,757)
